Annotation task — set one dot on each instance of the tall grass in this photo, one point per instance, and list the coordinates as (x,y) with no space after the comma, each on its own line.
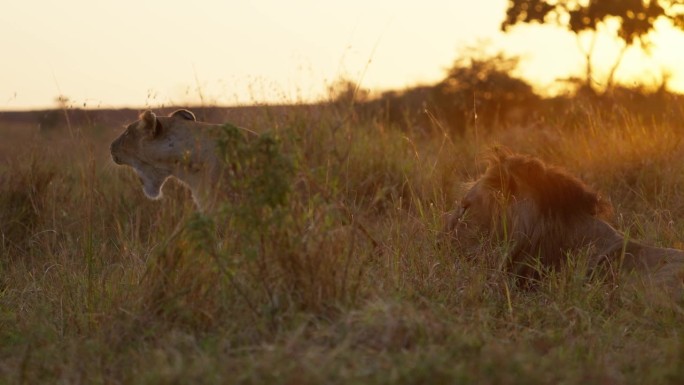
(343,277)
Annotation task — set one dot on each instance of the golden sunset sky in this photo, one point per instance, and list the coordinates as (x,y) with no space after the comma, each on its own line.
(104,54)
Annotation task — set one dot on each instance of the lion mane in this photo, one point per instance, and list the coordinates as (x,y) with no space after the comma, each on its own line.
(543,215)
(554,191)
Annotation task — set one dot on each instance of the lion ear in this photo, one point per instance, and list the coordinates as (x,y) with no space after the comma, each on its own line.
(150,124)
(502,170)
(526,176)
(501,153)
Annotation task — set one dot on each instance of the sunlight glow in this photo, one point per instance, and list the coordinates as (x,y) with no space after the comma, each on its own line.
(153,53)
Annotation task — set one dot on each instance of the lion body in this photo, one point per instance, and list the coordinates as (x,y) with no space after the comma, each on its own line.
(175,146)
(543,215)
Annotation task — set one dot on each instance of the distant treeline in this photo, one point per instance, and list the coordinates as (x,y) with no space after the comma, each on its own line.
(504,105)
(477,93)
(485,94)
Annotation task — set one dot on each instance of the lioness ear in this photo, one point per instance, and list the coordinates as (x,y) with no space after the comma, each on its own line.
(150,124)
(184,114)
(148,119)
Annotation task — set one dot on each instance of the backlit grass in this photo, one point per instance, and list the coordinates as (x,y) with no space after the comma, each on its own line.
(347,281)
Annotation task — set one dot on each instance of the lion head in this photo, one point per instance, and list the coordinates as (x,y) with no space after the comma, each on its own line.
(539,212)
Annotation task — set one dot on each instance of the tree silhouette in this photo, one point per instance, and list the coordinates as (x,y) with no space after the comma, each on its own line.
(631,21)
(481,88)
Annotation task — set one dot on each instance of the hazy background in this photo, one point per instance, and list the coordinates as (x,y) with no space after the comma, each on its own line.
(154,53)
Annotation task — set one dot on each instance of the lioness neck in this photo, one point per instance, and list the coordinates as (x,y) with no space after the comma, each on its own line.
(199,168)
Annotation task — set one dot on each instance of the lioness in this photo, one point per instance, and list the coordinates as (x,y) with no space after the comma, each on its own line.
(172,146)
(544,215)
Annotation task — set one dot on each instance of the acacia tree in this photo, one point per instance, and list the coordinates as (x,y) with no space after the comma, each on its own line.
(480,87)
(630,21)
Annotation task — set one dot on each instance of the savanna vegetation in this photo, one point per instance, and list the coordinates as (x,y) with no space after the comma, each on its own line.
(333,268)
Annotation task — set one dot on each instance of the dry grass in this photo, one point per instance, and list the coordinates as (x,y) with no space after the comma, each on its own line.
(347,282)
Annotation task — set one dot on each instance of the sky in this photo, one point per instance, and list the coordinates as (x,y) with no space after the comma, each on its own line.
(148,53)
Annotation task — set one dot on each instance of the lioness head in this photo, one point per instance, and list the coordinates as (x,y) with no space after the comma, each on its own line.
(154,146)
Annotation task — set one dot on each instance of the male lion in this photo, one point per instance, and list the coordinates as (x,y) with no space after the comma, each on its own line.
(172,146)
(543,215)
